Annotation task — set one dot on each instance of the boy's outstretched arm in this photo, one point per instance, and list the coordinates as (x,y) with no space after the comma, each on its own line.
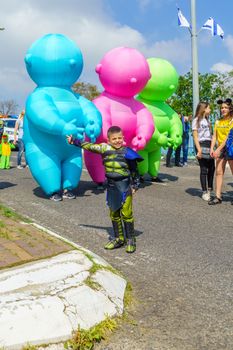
(92,147)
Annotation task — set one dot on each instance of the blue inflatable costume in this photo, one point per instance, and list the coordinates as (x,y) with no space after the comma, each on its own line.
(53,111)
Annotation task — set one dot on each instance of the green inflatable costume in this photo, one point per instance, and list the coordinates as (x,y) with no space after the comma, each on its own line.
(168,126)
(5,152)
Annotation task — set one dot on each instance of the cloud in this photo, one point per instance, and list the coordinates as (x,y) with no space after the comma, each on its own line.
(89,23)
(228,42)
(221,67)
(175,50)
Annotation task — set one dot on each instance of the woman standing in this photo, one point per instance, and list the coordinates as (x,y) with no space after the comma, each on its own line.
(19,130)
(202,138)
(222,128)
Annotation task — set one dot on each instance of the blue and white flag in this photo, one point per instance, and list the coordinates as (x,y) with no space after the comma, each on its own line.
(182,21)
(214,27)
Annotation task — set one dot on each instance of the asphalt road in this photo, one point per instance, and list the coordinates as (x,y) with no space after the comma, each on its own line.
(182,271)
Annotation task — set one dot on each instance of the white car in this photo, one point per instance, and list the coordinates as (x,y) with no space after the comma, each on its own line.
(9,127)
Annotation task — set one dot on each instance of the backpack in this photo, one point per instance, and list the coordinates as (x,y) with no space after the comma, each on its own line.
(229,144)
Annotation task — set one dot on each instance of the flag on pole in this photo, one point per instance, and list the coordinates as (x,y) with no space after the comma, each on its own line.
(214,27)
(182,21)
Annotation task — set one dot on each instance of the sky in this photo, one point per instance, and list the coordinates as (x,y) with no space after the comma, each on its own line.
(97,26)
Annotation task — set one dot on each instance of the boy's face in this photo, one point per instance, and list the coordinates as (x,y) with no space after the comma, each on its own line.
(116,140)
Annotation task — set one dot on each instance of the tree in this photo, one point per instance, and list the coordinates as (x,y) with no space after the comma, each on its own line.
(8,107)
(86,89)
(212,87)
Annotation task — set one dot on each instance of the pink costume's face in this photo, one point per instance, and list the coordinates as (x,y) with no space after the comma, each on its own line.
(123,72)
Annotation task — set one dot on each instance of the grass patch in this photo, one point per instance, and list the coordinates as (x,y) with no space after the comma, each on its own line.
(9,213)
(92,284)
(128,298)
(4,233)
(86,339)
(2,224)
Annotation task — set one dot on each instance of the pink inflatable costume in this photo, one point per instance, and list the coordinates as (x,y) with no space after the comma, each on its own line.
(123,72)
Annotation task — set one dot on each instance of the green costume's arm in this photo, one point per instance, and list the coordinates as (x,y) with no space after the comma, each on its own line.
(162,139)
(176,130)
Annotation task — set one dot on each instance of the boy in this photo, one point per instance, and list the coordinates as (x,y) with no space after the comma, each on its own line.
(122,181)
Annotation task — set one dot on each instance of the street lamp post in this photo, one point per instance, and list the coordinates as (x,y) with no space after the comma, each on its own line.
(194,57)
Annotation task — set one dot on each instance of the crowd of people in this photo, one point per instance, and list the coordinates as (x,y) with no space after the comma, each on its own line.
(214,149)
(211,147)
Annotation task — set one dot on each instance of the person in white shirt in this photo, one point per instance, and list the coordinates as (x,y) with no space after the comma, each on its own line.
(19,130)
(202,136)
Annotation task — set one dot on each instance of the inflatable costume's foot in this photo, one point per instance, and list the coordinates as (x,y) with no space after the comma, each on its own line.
(68,195)
(56,197)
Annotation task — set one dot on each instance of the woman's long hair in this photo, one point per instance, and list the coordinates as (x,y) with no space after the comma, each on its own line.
(200,112)
(22,114)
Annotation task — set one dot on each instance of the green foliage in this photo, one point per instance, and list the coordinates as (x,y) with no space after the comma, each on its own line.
(86,339)
(86,89)
(29,347)
(211,88)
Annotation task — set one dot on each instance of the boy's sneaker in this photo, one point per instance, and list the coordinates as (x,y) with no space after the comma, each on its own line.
(56,197)
(206,196)
(115,243)
(68,195)
(20,167)
(131,245)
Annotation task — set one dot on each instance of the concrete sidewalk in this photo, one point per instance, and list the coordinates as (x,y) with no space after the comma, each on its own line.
(50,286)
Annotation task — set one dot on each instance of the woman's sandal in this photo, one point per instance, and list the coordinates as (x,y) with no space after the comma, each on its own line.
(214,201)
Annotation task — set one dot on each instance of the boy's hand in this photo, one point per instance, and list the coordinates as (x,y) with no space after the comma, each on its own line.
(70,139)
(133,190)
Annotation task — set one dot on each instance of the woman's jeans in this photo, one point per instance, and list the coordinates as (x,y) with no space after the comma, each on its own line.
(20,151)
(185,147)
(207,169)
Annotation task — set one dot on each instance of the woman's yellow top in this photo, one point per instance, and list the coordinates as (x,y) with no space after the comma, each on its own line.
(222,128)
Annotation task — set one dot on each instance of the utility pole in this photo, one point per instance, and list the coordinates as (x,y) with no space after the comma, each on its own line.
(194,56)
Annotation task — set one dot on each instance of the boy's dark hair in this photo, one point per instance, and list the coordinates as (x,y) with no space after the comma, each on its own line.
(113,130)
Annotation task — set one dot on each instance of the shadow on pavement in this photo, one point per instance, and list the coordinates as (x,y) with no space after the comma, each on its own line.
(4,185)
(80,191)
(195,192)
(108,229)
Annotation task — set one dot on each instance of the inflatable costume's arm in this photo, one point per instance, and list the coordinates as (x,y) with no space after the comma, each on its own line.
(176,130)
(43,113)
(92,120)
(145,128)
(103,105)
(162,139)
